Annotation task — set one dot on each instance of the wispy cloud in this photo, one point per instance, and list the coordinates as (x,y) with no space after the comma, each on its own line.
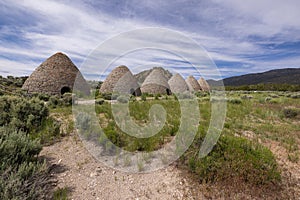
(240,36)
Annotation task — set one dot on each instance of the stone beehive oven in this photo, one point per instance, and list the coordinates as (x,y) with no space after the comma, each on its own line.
(121,80)
(156,83)
(203,84)
(193,84)
(177,84)
(56,76)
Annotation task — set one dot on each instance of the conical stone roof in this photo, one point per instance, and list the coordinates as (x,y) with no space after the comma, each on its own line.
(56,76)
(193,84)
(203,84)
(156,83)
(120,80)
(177,84)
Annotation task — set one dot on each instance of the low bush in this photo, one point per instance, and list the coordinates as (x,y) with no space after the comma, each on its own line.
(83,121)
(274,101)
(106,96)
(53,101)
(267,99)
(122,99)
(291,112)
(23,176)
(156,97)
(61,194)
(144,97)
(23,114)
(67,99)
(201,94)
(99,101)
(49,132)
(184,95)
(43,97)
(235,158)
(274,95)
(247,97)
(235,101)
(295,96)
(132,98)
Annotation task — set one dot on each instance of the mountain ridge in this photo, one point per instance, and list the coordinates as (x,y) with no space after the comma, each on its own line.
(275,76)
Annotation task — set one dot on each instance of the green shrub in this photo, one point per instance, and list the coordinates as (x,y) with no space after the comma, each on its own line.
(267,99)
(49,132)
(106,96)
(132,98)
(144,97)
(201,94)
(156,97)
(274,95)
(99,101)
(21,113)
(122,99)
(247,97)
(61,194)
(68,99)
(43,97)
(291,112)
(53,101)
(235,158)
(96,93)
(235,101)
(274,101)
(83,121)
(295,96)
(184,95)
(22,175)
(16,147)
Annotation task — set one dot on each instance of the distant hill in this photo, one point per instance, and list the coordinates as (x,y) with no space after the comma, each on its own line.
(142,75)
(276,76)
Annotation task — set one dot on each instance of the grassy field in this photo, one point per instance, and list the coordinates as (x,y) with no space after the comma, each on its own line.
(256,123)
(253,119)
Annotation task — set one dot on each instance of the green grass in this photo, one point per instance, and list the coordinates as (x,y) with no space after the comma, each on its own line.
(139,112)
(60,194)
(246,111)
(235,158)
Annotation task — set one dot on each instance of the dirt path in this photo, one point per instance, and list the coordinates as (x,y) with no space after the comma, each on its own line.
(88,179)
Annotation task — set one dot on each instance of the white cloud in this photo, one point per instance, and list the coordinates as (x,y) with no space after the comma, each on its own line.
(227,29)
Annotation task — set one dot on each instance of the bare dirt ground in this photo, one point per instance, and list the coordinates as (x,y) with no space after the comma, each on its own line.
(88,179)
(85,178)
(290,171)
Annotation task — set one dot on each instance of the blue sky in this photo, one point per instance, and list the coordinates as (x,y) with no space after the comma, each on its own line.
(240,36)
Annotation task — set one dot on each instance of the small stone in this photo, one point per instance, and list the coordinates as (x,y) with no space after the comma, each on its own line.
(98,170)
(93,174)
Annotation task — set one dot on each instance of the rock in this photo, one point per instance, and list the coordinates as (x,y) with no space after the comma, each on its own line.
(93,174)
